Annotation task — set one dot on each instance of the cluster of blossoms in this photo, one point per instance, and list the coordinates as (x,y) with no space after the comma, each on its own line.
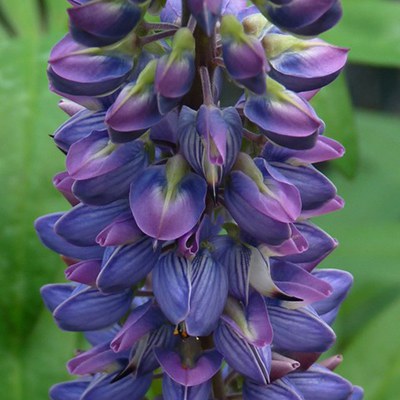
(189,247)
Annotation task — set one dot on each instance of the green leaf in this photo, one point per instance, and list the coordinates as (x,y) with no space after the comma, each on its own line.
(371,29)
(333,105)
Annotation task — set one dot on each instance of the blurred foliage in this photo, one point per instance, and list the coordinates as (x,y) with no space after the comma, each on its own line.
(33,351)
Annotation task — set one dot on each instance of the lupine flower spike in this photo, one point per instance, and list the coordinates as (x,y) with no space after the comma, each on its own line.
(189,249)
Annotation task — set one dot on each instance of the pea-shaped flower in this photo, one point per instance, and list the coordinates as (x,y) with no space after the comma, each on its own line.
(244,56)
(168,200)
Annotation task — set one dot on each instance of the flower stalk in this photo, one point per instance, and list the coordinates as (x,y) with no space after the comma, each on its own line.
(191,255)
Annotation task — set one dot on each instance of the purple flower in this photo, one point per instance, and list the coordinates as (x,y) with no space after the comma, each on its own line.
(189,247)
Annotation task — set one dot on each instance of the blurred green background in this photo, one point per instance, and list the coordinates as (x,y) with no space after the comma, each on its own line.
(361,109)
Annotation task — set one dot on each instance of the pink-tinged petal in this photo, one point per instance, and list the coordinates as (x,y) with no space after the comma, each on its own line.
(296,244)
(283,202)
(282,366)
(250,322)
(136,106)
(85,272)
(115,184)
(142,320)
(336,204)
(79,70)
(325,149)
(213,130)
(97,359)
(95,155)
(315,188)
(332,362)
(63,183)
(243,55)
(299,283)
(285,118)
(206,366)
(174,77)
(303,65)
(121,231)
(251,220)
(320,245)
(70,107)
(163,210)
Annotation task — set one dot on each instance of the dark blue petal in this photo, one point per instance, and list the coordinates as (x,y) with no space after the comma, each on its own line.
(45,230)
(299,330)
(174,391)
(83,223)
(77,127)
(318,383)
(92,310)
(281,389)
(100,23)
(53,295)
(124,266)
(113,185)
(69,390)
(126,388)
(249,360)
(208,284)
(171,286)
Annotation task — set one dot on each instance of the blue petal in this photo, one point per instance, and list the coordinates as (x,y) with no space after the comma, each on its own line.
(249,360)
(78,126)
(171,286)
(126,388)
(124,266)
(299,330)
(69,390)
(281,389)
(45,230)
(53,295)
(208,284)
(113,185)
(318,383)
(83,223)
(92,310)
(175,391)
